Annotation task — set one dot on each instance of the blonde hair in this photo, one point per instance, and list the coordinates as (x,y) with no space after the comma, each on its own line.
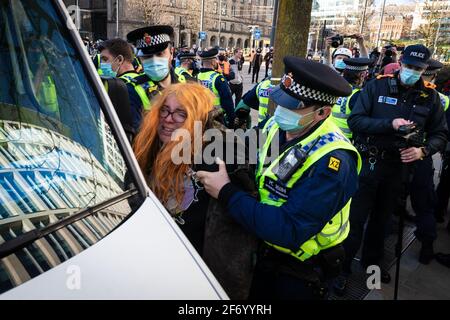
(167,177)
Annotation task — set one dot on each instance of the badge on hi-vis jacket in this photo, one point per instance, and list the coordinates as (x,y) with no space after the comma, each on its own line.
(387,100)
(334,164)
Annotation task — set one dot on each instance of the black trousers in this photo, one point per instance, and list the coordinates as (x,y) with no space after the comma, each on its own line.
(236,90)
(375,200)
(256,69)
(267,70)
(443,189)
(278,279)
(424,199)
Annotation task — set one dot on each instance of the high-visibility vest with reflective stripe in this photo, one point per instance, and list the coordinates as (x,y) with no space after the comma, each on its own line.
(341,111)
(262,90)
(445,100)
(179,72)
(208,80)
(323,140)
(141,89)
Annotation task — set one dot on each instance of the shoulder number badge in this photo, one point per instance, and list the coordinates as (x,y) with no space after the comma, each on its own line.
(334,164)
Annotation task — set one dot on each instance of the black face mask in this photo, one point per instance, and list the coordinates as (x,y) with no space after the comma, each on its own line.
(222,58)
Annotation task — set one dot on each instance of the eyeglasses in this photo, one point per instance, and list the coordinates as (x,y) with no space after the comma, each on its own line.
(177,116)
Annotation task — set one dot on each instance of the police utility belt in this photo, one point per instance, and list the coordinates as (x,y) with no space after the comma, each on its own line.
(376,153)
(322,267)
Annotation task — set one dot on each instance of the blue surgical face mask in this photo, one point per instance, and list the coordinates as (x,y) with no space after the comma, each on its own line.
(289,120)
(339,64)
(409,76)
(107,70)
(157,68)
(269,73)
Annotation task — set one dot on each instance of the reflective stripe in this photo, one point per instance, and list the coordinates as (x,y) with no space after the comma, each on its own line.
(340,115)
(346,130)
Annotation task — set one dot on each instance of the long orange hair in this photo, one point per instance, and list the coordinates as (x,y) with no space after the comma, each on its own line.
(164,177)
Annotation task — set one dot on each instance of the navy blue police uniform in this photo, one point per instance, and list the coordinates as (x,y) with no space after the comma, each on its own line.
(382,101)
(287,217)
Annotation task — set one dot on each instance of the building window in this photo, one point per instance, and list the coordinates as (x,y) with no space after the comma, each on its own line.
(233,11)
(224,9)
(215,7)
(184,4)
(232,27)
(172,3)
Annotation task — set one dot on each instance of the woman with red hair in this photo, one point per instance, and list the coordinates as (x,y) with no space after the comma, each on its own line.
(227,249)
(179,106)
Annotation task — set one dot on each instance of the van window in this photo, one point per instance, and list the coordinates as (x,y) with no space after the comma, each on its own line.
(57,153)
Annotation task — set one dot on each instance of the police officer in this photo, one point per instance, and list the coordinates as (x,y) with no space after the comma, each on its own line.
(299,214)
(338,56)
(355,72)
(257,98)
(117,56)
(187,66)
(443,189)
(384,106)
(154,48)
(216,82)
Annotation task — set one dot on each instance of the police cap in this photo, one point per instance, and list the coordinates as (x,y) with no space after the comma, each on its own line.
(186,55)
(416,55)
(357,64)
(308,82)
(209,54)
(151,40)
(433,67)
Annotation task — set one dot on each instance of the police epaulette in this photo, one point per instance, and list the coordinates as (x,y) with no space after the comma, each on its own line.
(429,85)
(381,76)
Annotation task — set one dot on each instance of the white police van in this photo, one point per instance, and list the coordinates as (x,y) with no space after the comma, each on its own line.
(77,220)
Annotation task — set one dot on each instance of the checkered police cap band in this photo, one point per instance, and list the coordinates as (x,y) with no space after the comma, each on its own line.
(356,68)
(304,92)
(150,41)
(430,72)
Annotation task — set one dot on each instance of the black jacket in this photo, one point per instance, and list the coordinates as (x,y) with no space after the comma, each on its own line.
(384,100)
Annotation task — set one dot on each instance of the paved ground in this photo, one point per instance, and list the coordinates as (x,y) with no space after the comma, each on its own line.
(418,281)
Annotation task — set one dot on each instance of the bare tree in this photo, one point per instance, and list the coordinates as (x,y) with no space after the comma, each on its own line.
(432,13)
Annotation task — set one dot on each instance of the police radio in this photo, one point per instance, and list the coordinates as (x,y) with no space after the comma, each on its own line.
(292,161)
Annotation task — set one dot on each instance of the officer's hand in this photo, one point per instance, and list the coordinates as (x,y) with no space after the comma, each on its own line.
(214,181)
(396,123)
(411,154)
